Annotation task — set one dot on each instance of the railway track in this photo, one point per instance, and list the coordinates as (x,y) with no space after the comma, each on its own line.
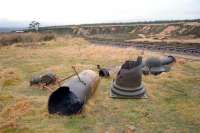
(171,48)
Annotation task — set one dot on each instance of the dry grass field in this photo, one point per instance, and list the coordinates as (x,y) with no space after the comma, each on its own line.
(24,38)
(172,106)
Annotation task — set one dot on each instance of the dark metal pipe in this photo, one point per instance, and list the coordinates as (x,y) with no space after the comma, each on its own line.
(168,60)
(73,94)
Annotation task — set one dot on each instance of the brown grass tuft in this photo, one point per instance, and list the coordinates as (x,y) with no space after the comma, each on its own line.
(9,76)
(8,39)
(17,110)
(14,112)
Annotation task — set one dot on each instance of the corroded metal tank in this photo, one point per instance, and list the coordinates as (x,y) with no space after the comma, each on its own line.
(128,83)
(73,94)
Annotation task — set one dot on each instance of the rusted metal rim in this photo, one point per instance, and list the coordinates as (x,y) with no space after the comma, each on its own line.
(159,69)
(126,88)
(118,91)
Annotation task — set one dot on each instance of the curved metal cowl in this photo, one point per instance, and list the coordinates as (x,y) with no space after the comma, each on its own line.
(128,83)
(168,60)
(154,66)
(73,94)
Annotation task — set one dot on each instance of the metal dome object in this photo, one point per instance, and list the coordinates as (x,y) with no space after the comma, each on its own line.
(128,83)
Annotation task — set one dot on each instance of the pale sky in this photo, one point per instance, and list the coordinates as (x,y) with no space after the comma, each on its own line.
(97,11)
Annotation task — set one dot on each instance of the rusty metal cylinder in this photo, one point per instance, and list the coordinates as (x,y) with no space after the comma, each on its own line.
(73,94)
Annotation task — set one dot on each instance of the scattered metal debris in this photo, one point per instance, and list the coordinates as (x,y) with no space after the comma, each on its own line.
(103,72)
(35,81)
(47,79)
(73,94)
(44,80)
(128,83)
